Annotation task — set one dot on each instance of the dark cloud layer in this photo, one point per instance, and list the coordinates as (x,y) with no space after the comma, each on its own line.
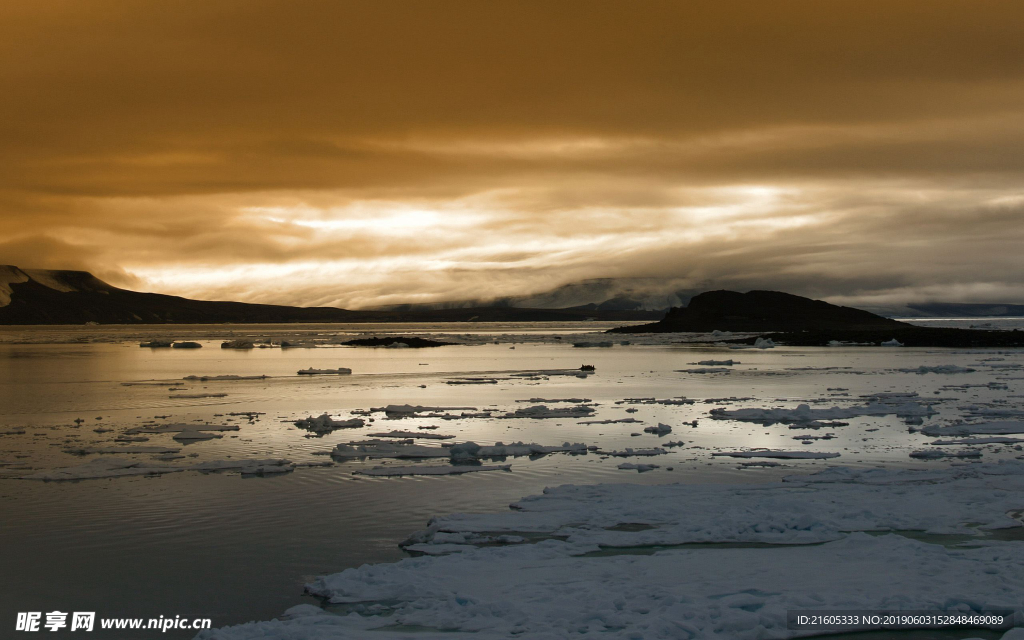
(371,152)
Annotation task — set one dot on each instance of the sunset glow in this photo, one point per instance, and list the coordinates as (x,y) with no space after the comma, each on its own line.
(518,149)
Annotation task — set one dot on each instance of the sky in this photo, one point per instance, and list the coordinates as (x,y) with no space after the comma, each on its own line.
(359,154)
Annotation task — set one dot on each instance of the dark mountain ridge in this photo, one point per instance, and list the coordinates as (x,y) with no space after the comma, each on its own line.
(29,296)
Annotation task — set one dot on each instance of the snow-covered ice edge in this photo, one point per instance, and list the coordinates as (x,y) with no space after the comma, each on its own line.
(612,561)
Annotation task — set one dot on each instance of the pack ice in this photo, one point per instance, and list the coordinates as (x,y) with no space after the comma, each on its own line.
(611,561)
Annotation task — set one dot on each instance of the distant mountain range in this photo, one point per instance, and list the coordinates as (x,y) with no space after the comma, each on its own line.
(600,294)
(37,296)
(656,294)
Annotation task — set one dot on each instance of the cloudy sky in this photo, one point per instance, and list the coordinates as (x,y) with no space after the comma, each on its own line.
(376,152)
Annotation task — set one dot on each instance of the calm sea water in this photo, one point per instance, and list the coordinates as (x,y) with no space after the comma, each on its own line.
(235,548)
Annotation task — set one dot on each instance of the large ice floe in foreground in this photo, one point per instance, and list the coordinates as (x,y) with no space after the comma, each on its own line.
(621,561)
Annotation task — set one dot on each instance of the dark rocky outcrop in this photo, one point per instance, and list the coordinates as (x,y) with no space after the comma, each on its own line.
(797,321)
(763,311)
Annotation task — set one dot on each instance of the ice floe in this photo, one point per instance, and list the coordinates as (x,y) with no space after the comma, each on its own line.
(942,368)
(223,378)
(194,396)
(418,470)
(592,569)
(804,412)
(539,412)
(972,429)
(410,434)
(82,451)
(118,467)
(705,370)
(240,343)
(462,451)
(629,452)
(772,453)
(638,467)
(178,427)
(934,454)
(194,435)
(325,372)
(408,410)
(387,449)
(993,440)
(324,423)
(660,430)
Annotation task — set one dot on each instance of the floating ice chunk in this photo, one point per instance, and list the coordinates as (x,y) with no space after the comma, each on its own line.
(526,449)
(187,345)
(107,450)
(639,467)
(892,396)
(410,434)
(103,468)
(192,396)
(540,412)
(993,440)
(763,343)
(237,344)
(472,381)
(324,423)
(891,343)
(804,413)
(668,401)
(992,412)
(173,428)
(418,470)
(932,454)
(387,449)
(407,410)
(225,378)
(971,429)
(705,370)
(269,466)
(942,368)
(340,371)
(628,452)
(772,453)
(660,430)
(193,435)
